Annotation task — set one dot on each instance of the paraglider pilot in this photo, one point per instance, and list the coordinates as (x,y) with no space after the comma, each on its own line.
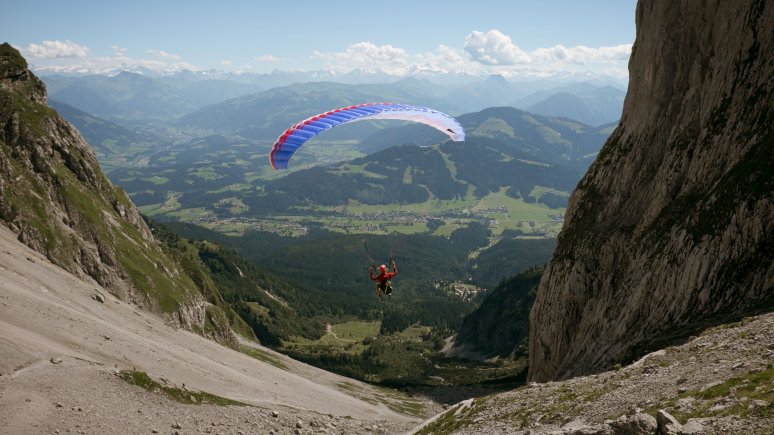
(383,283)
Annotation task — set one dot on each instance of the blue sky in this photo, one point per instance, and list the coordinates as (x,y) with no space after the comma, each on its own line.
(399,36)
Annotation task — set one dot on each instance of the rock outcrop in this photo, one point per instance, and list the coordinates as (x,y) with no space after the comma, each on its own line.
(672,228)
(55,197)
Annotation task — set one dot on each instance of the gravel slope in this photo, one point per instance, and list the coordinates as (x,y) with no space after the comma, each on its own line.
(60,350)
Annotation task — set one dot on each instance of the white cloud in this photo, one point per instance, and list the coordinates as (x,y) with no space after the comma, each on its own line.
(269,58)
(494,48)
(69,57)
(56,49)
(581,54)
(164,55)
(244,69)
(370,57)
(446,59)
(482,52)
(366,56)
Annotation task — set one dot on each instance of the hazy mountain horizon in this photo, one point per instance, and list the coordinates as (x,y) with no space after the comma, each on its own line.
(354,76)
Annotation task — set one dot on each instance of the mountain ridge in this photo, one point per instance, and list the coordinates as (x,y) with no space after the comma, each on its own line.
(54,196)
(266,114)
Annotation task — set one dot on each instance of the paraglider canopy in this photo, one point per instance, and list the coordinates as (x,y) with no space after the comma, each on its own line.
(297,135)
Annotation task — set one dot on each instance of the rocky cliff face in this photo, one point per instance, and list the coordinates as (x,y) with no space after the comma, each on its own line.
(672,228)
(54,195)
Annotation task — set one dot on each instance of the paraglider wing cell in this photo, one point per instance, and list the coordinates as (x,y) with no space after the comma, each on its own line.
(297,135)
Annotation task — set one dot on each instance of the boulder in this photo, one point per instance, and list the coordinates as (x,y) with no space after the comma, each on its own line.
(667,424)
(637,424)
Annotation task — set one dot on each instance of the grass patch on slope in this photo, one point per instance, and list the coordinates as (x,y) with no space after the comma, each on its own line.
(182,395)
(262,355)
(393,399)
(147,266)
(756,387)
(456,418)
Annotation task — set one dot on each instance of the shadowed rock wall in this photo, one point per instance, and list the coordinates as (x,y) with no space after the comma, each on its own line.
(672,226)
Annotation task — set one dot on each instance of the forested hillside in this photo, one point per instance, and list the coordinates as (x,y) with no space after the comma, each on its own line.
(500,326)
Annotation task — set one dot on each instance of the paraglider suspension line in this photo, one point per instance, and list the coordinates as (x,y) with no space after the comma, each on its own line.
(368,253)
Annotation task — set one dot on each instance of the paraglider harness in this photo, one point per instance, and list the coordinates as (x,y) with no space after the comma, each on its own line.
(382,285)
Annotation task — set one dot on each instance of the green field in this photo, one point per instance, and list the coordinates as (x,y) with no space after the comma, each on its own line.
(414,332)
(205,173)
(234,204)
(191,214)
(504,213)
(156,180)
(347,337)
(171,204)
(350,336)
(432,206)
(498,209)
(529,218)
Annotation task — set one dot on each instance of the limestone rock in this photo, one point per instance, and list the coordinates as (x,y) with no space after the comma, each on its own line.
(667,425)
(672,227)
(692,427)
(637,424)
(580,427)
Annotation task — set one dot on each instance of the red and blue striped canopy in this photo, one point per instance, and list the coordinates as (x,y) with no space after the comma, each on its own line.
(297,135)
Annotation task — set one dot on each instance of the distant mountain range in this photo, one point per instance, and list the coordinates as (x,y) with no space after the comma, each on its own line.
(264,115)
(355,76)
(562,142)
(218,101)
(505,147)
(589,104)
(131,99)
